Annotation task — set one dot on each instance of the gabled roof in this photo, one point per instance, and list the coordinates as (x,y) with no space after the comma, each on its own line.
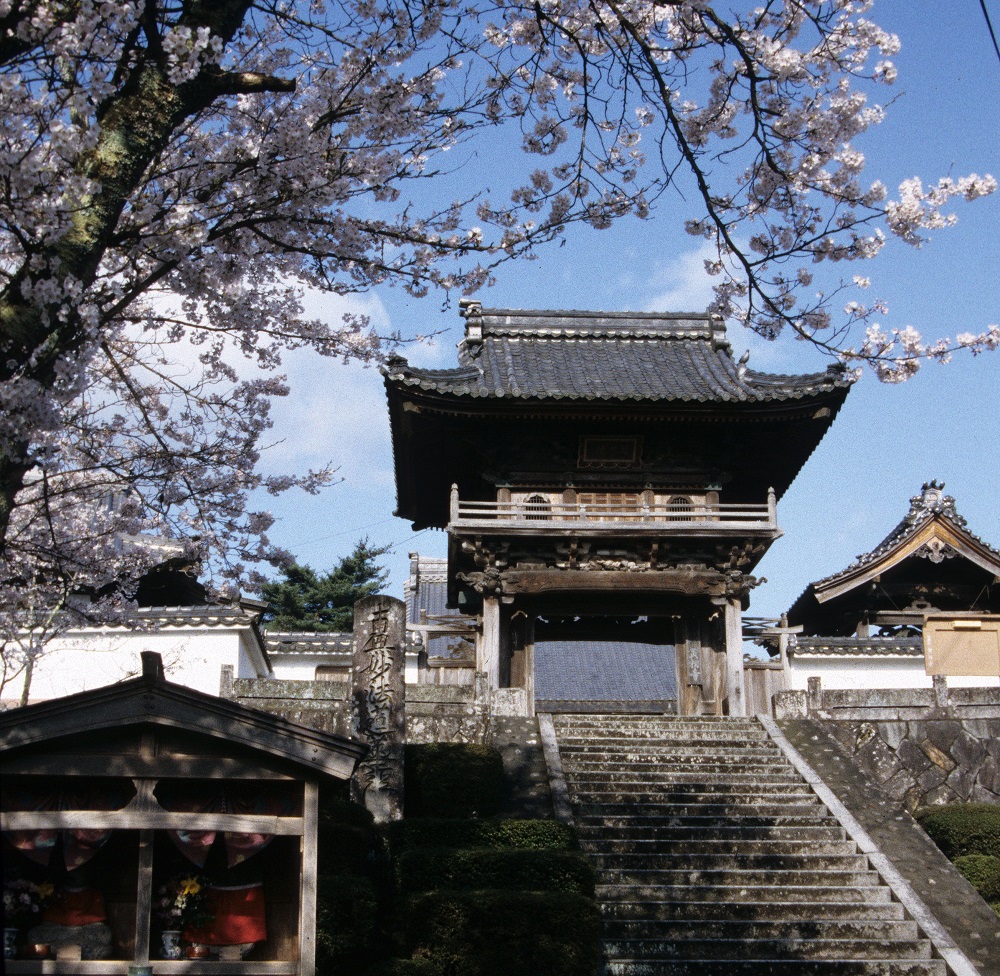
(931,530)
(624,356)
(152,700)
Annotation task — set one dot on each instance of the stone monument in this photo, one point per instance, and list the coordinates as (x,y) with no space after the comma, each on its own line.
(377,703)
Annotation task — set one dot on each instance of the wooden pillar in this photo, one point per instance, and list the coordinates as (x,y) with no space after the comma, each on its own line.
(309,876)
(488,643)
(735,680)
(144,898)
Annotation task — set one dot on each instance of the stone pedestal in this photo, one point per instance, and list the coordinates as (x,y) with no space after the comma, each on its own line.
(377,704)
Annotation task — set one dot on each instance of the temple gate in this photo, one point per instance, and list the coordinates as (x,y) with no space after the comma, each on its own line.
(600,475)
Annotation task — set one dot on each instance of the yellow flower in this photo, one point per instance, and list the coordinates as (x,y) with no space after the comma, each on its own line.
(45,890)
(190,886)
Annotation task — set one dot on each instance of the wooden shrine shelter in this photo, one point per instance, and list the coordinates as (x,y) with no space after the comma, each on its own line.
(110,794)
(602,475)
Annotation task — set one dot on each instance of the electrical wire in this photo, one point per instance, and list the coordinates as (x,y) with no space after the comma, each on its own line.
(989,25)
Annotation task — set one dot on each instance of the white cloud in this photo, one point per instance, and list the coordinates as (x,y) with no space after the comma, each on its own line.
(682,284)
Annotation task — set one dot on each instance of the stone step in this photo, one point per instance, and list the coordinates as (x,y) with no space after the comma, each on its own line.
(583,718)
(819,818)
(760,893)
(648,912)
(739,847)
(615,804)
(585,759)
(722,792)
(807,948)
(754,929)
(640,832)
(749,775)
(735,878)
(690,782)
(641,741)
(754,966)
(741,860)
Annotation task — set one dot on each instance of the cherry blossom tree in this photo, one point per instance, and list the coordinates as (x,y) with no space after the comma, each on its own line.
(173,174)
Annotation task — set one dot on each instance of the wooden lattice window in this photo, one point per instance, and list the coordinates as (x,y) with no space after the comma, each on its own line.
(537,507)
(680,507)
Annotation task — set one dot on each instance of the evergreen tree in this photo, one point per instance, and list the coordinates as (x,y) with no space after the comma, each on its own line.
(308,600)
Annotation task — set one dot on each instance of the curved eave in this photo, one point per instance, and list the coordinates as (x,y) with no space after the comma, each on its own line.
(448,402)
(936,527)
(455,386)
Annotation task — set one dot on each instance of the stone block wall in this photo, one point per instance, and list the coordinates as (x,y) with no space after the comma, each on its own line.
(924,746)
(927,761)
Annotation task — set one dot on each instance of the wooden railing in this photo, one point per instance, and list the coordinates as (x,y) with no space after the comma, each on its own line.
(547,518)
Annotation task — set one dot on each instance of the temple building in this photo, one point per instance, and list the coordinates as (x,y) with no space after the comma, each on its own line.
(606,480)
(925,601)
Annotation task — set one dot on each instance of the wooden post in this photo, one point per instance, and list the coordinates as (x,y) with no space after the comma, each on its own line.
(144,898)
(735,679)
(453,517)
(488,643)
(310,872)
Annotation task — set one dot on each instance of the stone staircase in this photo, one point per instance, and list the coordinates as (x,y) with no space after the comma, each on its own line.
(715,858)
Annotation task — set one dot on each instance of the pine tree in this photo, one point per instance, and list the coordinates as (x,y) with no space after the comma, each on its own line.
(308,600)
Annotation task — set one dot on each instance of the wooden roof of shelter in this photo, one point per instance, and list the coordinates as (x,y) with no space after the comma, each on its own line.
(929,558)
(150,701)
(626,367)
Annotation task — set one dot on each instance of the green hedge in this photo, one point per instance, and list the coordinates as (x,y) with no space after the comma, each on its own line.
(963,828)
(406,967)
(446,779)
(347,838)
(346,924)
(497,835)
(505,933)
(982,871)
(471,869)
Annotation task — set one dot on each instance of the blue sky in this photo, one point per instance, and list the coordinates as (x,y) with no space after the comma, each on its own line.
(886,441)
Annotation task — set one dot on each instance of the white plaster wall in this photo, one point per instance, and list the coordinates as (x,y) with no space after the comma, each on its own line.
(295,667)
(870,672)
(90,659)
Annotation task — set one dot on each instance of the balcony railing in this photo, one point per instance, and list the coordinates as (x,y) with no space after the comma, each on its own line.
(538,517)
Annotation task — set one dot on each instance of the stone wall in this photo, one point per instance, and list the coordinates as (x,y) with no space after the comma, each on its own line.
(434,713)
(924,746)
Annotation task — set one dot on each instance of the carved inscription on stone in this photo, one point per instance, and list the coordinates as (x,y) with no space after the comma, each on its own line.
(377,702)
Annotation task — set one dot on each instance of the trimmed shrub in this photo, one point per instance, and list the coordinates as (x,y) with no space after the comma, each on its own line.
(347,838)
(982,871)
(471,869)
(346,913)
(449,779)
(506,933)
(963,828)
(406,967)
(497,835)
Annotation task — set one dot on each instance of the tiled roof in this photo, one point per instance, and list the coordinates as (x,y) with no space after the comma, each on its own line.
(930,503)
(308,642)
(858,646)
(604,671)
(517,354)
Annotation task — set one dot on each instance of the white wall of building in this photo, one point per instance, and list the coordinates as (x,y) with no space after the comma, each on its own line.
(93,658)
(856,672)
